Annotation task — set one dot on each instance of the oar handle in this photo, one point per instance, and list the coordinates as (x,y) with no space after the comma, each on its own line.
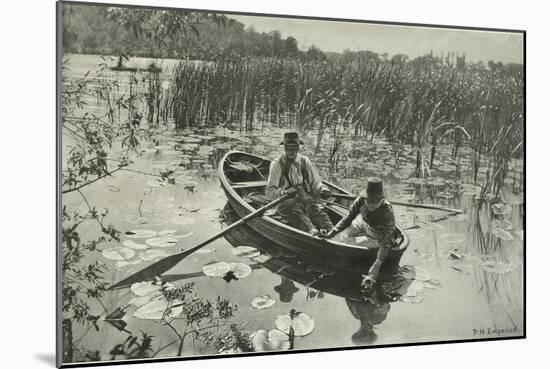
(398,203)
(256,213)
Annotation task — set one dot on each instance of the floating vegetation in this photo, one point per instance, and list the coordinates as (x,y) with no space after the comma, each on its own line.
(136,219)
(415,273)
(498,267)
(118,253)
(159,309)
(161,242)
(205,251)
(113,188)
(182,220)
(245,251)
(502,234)
(184,235)
(301,323)
(144,288)
(503,224)
(156,183)
(262,302)
(124,263)
(153,255)
(431,226)
(501,209)
(216,269)
(240,270)
(262,258)
(275,340)
(453,237)
(426,257)
(134,245)
(140,233)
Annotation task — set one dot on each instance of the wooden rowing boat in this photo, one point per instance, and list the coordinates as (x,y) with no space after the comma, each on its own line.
(243,179)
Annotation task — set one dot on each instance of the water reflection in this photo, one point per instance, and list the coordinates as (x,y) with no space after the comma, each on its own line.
(370,312)
(286,289)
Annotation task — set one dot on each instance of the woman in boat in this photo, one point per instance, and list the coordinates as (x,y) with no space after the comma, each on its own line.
(377,222)
(293,173)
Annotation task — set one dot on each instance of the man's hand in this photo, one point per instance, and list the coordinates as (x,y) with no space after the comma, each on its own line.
(324,234)
(325,193)
(290,191)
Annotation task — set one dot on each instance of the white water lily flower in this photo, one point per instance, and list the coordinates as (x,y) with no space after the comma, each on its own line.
(118,253)
(275,340)
(240,270)
(218,269)
(134,245)
(140,233)
(302,324)
(245,251)
(263,302)
(161,242)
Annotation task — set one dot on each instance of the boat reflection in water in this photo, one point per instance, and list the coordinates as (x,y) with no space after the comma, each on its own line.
(370,310)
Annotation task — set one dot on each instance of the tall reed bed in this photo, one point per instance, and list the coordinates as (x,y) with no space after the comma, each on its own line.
(426,102)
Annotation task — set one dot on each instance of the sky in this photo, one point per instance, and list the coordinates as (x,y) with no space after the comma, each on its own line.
(412,41)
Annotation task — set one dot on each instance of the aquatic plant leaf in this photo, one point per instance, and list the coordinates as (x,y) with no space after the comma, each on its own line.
(411,300)
(263,302)
(262,258)
(159,309)
(134,245)
(245,251)
(275,340)
(204,251)
(154,254)
(426,257)
(183,235)
(140,233)
(498,267)
(503,224)
(149,151)
(414,272)
(124,263)
(155,183)
(142,300)
(144,288)
(453,237)
(302,324)
(501,209)
(136,219)
(161,242)
(168,232)
(502,234)
(182,220)
(215,270)
(240,270)
(118,253)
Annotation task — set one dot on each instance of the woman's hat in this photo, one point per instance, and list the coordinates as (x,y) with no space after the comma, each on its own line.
(291,140)
(374,192)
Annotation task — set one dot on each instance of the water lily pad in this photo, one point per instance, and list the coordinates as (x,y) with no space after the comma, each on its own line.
(134,245)
(414,272)
(183,235)
(164,147)
(155,183)
(502,234)
(153,255)
(445,195)
(124,263)
(204,251)
(414,289)
(168,232)
(182,220)
(161,242)
(142,300)
(215,270)
(412,300)
(263,302)
(262,258)
(149,151)
(302,324)
(426,257)
(240,270)
(136,219)
(144,288)
(275,340)
(503,224)
(140,233)
(453,237)
(245,251)
(498,267)
(118,253)
(159,309)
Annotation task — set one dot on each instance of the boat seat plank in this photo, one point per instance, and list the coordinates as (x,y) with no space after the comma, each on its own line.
(249,184)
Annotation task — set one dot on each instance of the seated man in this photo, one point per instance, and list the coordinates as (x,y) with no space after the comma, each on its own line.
(377,222)
(293,173)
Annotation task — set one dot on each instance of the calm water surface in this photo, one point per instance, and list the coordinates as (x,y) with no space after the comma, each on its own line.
(476,272)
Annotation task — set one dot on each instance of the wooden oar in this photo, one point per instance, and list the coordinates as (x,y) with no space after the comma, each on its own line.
(421,206)
(161,266)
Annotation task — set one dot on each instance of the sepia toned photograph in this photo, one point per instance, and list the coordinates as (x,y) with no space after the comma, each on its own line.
(235,184)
